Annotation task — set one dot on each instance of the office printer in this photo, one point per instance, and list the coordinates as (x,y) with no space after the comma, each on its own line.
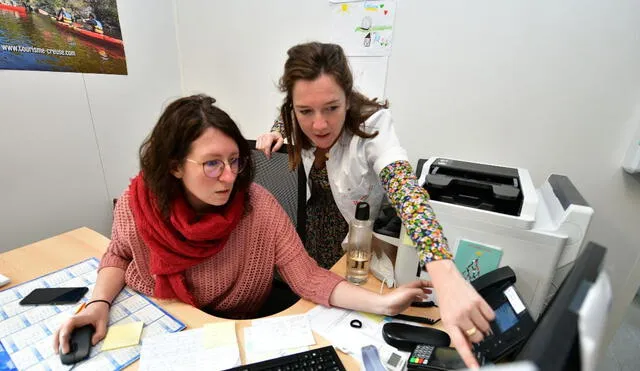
(539,231)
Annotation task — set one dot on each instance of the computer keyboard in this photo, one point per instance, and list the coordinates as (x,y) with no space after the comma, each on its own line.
(324,358)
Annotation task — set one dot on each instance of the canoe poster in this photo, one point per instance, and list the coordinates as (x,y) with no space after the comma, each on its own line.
(61,35)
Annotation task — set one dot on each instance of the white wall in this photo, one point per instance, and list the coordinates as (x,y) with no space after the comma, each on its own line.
(53,178)
(548,86)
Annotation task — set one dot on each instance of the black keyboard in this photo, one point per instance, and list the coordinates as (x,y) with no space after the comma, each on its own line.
(324,358)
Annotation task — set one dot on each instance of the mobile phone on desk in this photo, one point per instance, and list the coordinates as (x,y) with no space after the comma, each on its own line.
(431,358)
(54,295)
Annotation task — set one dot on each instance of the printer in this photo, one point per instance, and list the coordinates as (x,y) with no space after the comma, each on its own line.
(539,231)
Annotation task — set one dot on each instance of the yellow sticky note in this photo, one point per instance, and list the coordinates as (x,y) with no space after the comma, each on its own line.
(375,317)
(121,336)
(219,334)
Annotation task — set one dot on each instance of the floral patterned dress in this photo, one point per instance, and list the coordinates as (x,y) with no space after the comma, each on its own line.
(326,227)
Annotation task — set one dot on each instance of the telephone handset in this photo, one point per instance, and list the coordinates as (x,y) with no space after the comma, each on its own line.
(513,323)
(494,280)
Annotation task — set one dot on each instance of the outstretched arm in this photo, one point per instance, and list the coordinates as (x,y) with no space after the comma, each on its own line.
(465,314)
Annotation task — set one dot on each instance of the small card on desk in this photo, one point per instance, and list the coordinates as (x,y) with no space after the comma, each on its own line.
(121,336)
(219,334)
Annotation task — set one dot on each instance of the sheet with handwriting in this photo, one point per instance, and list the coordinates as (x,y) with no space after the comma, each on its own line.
(26,332)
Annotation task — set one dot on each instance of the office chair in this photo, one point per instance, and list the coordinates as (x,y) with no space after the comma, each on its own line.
(290,189)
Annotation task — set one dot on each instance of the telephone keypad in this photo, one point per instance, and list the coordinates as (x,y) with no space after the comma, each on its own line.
(421,354)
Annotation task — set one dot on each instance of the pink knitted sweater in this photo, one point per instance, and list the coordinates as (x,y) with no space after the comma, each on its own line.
(236,281)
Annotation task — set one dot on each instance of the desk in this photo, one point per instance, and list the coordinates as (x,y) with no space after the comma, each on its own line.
(31,261)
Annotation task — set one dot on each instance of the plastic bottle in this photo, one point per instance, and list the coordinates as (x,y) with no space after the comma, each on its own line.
(359,246)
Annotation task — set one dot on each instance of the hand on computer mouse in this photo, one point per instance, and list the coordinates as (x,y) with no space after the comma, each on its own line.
(80,344)
(96,314)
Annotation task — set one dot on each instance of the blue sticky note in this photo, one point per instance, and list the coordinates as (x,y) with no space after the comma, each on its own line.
(474,259)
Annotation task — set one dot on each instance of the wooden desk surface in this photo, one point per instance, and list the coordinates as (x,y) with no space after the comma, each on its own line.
(31,261)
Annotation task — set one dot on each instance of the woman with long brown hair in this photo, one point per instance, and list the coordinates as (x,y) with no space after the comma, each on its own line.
(350,152)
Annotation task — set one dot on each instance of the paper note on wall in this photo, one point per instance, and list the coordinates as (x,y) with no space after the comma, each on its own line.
(369,75)
(363,28)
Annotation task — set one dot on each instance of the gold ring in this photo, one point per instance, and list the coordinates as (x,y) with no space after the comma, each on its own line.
(470,332)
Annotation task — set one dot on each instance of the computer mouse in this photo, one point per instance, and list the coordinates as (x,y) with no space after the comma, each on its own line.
(80,343)
(405,337)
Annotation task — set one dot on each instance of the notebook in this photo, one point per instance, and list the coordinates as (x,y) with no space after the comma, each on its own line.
(474,259)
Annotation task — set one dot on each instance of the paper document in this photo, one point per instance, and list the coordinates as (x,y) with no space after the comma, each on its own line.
(279,333)
(334,324)
(275,337)
(121,336)
(186,351)
(219,334)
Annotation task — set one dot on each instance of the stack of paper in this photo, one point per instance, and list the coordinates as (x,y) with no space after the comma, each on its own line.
(278,336)
(213,347)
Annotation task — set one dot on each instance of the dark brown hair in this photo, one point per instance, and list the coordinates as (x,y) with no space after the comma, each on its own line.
(181,123)
(308,62)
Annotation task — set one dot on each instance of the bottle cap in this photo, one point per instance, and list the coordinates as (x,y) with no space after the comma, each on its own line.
(362,211)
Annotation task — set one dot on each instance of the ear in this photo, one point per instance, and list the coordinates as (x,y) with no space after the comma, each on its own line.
(176,169)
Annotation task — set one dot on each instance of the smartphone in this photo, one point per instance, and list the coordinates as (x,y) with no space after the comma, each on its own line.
(54,295)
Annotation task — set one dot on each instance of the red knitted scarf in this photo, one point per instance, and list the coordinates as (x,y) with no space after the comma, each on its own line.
(181,242)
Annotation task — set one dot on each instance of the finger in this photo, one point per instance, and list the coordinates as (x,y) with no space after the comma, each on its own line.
(426,283)
(266,147)
(417,295)
(466,325)
(486,311)
(463,347)
(101,332)
(481,323)
(56,341)
(279,143)
(63,337)
(414,284)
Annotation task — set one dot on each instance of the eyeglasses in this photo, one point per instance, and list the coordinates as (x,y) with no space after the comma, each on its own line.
(214,168)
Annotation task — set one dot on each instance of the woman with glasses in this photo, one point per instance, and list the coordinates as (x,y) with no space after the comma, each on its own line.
(192,226)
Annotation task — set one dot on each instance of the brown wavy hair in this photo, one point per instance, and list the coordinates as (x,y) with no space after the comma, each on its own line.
(181,123)
(307,62)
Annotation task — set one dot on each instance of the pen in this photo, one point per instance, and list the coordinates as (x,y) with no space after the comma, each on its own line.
(80,308)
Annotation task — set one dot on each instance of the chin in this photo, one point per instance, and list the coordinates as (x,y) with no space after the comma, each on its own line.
(218,203)
(325,143)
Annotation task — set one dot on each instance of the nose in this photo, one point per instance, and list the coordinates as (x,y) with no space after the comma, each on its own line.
(227,175)
(319,122)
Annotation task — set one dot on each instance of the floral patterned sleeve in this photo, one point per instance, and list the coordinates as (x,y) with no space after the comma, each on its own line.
(412,204)
(278,126)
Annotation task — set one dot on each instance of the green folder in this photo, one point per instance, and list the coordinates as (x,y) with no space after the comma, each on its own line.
(474,259)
